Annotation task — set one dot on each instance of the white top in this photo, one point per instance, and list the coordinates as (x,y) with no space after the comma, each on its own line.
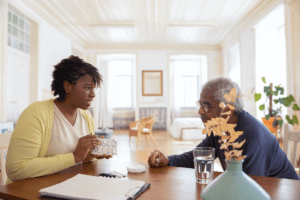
(64,136)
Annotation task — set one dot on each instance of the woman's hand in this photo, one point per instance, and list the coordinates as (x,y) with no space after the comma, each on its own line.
(84,145)
(103,155)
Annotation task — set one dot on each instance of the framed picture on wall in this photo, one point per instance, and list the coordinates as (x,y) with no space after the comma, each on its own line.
(152,83)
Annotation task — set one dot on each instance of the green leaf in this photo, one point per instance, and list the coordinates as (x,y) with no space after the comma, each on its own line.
(280,100)
(287,102)
(295,107)
(295,119)
(263,79)
(257,96)
(262,107)
(281,89)
(280,122)
(290,98)
(267,89)
(274,93)
(290,121)
(267,117)
(275,101)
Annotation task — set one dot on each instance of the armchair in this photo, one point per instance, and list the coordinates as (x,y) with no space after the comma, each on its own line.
(142,126)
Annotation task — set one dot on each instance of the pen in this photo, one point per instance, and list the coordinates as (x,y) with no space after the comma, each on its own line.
(123,175)
(117,175)
(109,175)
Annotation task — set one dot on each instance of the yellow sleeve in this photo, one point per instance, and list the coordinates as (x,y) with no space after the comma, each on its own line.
(88,117)
(24,159)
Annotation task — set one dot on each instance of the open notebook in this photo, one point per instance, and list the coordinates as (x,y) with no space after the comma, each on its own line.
(92,187)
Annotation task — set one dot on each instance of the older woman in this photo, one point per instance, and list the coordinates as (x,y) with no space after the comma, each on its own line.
(55,134)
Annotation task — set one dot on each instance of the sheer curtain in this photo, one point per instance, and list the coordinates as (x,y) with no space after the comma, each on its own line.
(175,83)
(106,117)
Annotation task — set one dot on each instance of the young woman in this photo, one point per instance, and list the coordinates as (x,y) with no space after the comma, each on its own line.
(55,134)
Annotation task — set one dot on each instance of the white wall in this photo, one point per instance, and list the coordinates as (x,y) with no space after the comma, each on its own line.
(49,46)
(247,53)
(152,60)
(247,62)
(245,33)
(52,47)
(159,60)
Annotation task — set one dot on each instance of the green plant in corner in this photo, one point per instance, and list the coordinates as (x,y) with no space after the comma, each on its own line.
(276,97)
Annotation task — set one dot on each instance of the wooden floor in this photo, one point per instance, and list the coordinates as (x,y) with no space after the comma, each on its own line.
(166,143)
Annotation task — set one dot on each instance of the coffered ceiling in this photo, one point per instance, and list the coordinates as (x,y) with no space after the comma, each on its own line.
(93,23)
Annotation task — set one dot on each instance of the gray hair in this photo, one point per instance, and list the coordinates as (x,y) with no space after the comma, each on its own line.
(223,85)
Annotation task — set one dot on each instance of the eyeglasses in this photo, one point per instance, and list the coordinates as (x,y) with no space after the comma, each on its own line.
(204,106)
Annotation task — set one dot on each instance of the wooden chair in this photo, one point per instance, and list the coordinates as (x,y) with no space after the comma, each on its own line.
(142,126)
(4,142)
(289,137)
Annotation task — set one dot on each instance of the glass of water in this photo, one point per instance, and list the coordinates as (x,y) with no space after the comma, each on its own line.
(204,164)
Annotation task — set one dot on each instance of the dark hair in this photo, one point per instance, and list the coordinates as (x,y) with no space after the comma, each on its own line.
(71,69)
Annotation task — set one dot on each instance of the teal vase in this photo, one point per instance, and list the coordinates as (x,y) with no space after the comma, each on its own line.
(234,184)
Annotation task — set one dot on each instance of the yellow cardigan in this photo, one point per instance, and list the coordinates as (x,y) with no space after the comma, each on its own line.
(29,144)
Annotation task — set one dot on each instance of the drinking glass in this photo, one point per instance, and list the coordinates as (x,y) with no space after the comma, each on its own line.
(204,164)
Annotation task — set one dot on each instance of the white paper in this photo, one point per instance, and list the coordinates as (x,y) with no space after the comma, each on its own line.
(92,187)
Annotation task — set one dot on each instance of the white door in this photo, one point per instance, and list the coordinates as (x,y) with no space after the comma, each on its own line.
(17,84)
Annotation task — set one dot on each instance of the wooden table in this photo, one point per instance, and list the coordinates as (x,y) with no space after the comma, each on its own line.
(166,183)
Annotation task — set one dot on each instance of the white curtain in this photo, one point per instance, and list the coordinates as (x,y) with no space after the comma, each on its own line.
(106,116)
(134,85)
(175,83)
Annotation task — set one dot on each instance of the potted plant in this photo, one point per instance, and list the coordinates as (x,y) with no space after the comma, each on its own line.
(275,99)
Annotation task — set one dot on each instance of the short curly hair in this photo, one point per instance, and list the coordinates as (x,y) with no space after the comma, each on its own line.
(223,85)
(71,69)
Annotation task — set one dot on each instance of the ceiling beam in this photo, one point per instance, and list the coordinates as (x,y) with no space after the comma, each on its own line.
(84,36)
(127,24)
(155,47)
(51,20)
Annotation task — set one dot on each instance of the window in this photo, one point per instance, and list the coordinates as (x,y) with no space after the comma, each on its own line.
(234,65)
(187,82)
(121,75)
(18,28)
(270,54)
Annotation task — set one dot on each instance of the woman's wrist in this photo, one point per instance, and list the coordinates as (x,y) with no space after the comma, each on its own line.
(76,158)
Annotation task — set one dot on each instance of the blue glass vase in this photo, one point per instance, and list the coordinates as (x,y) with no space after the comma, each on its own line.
(234,184)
